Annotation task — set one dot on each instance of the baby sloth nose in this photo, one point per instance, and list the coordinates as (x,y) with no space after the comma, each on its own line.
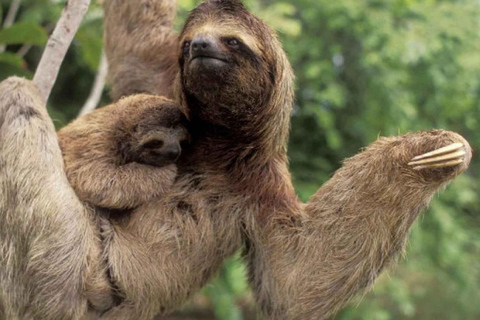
(204,46)
(171,151)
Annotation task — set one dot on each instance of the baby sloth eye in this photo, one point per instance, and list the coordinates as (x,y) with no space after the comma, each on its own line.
(153,144)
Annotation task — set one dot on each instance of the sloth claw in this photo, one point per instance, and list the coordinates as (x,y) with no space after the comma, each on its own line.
(448,156)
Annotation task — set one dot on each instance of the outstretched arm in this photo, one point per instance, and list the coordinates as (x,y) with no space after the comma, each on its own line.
(50,256)
(140,46)
(353,227)
(95,165)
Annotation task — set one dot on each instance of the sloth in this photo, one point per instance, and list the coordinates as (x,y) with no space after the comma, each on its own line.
(232,190)
(122,155)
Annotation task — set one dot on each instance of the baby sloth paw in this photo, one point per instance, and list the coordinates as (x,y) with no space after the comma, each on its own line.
(449,156)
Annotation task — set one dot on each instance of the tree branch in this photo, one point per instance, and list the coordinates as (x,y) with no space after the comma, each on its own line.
(57,45)
(10,18)
(24,50)
(97,89)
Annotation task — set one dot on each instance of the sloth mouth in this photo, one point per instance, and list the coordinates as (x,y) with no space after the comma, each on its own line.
(208,60)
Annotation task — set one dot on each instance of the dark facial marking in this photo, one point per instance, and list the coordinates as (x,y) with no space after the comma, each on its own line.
(153,144)
(248,54)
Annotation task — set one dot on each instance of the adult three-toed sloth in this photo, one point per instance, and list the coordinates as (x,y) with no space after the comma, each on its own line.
(233,186)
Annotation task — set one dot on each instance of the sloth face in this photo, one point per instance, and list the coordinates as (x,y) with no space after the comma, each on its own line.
(157,137)
(226,63)
(159,146)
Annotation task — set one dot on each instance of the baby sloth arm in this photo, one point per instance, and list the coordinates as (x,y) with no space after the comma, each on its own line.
(122,155)
(309,261)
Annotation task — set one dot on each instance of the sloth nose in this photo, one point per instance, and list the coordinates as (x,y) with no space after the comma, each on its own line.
(201,43)
(171,151)
(204,46)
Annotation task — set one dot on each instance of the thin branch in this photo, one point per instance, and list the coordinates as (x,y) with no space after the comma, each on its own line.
(10,18)
(24,50)
(57,45)
(97,89)
(12,13)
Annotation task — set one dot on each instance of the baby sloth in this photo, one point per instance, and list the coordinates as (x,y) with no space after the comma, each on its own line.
(122,155)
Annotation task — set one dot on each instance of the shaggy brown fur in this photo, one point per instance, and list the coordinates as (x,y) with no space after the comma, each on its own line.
(112,155)
(306,261)
(233,185)
(140,46)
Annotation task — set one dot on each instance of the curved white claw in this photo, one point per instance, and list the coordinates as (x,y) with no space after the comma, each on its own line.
(448,156)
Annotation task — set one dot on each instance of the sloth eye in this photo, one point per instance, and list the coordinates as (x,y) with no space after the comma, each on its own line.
(153,144)
(186,47)
(232,42)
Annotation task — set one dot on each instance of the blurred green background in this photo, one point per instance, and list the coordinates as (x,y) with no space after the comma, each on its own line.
(364,68)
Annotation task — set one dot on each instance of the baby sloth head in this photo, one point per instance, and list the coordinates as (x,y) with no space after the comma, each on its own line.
(231,65)
(157,142)
(157,134)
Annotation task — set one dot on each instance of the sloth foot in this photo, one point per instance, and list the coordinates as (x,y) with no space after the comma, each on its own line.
(449,156)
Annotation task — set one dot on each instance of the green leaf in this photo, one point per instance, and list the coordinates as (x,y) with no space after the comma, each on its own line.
(234,272)
(12,59)
(8,69)
(24,33)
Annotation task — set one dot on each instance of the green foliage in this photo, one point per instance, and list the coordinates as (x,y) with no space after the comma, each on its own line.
(364,68)
(11,64)
(23,33)
(225,289)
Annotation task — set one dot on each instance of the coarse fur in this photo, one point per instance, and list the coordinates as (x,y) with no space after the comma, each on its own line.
(140,46)
(50,255)
(122,155)
(307,261)
(233,187)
